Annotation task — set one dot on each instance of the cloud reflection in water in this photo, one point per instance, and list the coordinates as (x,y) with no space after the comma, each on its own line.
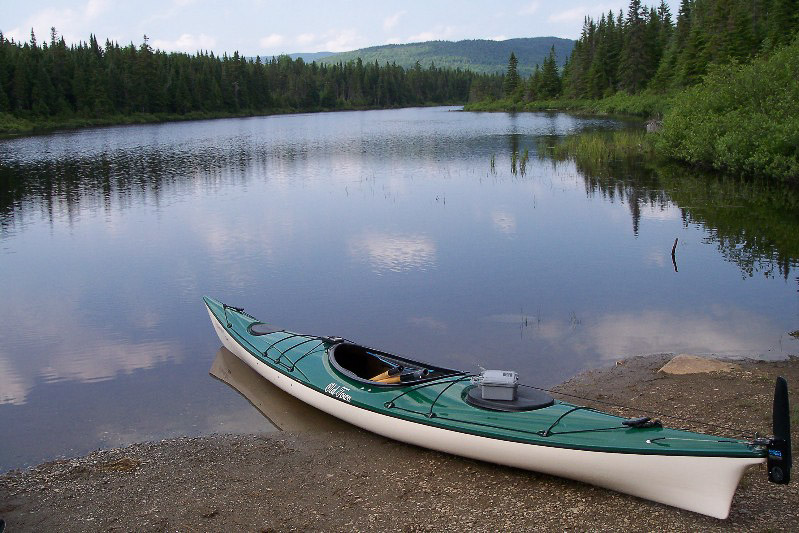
(720,332)
(395,252)
(95,355)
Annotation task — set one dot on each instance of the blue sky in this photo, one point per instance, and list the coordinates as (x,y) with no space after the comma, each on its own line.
(266,28)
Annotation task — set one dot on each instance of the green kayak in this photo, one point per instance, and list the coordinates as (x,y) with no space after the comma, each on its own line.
(499,421)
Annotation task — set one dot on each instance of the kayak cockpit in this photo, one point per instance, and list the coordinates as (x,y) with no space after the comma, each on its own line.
(379,368)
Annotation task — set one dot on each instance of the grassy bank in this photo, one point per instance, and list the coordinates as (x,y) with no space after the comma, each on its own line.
(600,147)
(645,104)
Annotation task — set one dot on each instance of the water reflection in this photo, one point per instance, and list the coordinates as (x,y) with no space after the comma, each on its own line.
(394,252)
(723,332)
(753,222)
(54,355)
(284,412)
(504,221)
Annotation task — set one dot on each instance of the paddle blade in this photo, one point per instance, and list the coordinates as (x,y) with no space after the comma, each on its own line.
(782,415)
(779,450)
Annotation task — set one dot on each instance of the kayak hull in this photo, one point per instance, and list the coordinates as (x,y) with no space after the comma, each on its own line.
(704,485)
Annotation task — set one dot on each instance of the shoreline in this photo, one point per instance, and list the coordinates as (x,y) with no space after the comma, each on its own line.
(33,129)
(342,478)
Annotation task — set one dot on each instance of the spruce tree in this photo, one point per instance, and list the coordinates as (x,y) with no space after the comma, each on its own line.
(635,63)
(512,76)
(550,79)
(782,22)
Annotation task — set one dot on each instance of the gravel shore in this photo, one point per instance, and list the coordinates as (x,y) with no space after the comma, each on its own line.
(344,479)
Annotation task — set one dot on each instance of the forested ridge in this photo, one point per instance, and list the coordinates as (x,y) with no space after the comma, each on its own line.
(478,55)
(52,82)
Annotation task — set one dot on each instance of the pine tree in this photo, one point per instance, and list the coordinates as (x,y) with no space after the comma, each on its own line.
(635,64)
(666,24)
(512,76)
(601,80)
(534,85)
(782,22)
(550,79)
(5,104)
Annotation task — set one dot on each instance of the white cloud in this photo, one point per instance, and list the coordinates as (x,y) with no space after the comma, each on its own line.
(305,38)
(570,15)
(578,14)
(439,33)
(94,8)
(390,22)
(331,41)
(343,41)
(186,43)
(498,38)
(14,34)
(529,9)
(74,24)
(271,40)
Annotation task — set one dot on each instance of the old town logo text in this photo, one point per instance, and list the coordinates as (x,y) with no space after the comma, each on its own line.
(338,391)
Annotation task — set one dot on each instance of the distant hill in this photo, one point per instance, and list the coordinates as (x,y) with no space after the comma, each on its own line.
(478,55)
(309,57)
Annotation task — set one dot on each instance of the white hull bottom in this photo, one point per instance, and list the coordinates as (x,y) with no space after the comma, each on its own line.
(701,484)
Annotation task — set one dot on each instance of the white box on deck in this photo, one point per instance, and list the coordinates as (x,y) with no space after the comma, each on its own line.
(497,384)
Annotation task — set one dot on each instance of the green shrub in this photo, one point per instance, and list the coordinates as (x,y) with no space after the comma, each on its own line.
(9,124)
(743,120)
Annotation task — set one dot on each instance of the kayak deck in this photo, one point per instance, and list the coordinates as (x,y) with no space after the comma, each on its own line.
(439,400)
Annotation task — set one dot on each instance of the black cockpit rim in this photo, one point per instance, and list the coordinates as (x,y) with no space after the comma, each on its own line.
(378,361)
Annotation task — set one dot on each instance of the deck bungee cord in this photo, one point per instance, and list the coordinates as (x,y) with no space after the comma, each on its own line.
(738,431)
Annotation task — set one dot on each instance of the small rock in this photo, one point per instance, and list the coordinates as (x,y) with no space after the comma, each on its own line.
(694,364)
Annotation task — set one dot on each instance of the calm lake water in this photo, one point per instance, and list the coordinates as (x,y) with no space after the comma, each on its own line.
(421,231)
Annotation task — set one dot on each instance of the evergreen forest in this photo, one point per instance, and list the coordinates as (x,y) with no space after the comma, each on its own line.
(648,48)
(51,84)
(721,74)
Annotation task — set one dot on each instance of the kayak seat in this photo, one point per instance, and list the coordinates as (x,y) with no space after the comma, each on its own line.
(362,364)
(358,361)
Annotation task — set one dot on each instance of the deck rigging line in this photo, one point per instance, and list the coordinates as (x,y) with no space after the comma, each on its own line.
(737,431)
